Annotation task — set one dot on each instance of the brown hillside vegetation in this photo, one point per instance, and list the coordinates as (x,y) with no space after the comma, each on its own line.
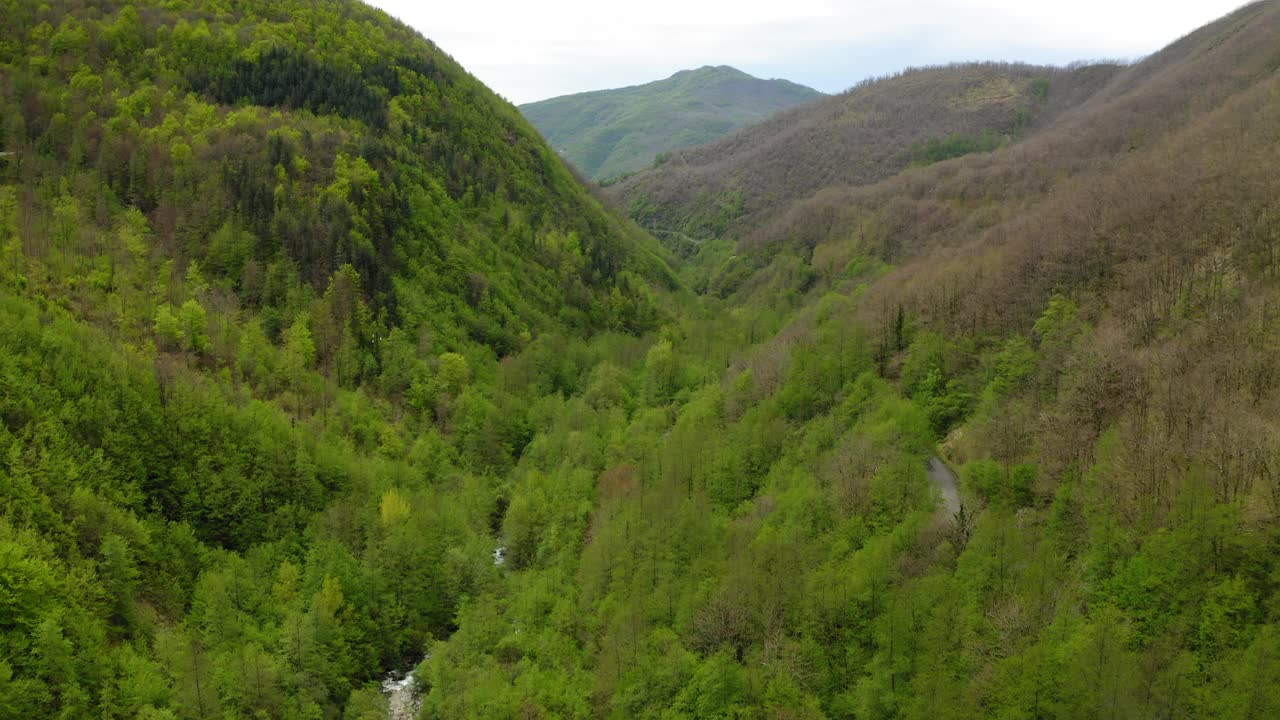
(1152,210)
(864,135)
(1180,158)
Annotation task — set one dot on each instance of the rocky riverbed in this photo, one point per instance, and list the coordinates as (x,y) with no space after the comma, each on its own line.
(401,690)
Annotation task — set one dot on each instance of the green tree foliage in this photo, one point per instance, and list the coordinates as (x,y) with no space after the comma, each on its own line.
(300,387)
(256,276)
(953,146)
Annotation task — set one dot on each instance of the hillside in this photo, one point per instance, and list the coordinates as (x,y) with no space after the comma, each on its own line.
(861,136)
(276,282)
(608,133)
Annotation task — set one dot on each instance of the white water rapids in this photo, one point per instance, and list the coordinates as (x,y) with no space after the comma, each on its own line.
(401,690)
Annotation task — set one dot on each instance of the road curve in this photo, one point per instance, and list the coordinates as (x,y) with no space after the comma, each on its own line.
(941,477)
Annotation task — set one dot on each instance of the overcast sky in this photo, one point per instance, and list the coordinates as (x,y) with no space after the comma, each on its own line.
(534,49)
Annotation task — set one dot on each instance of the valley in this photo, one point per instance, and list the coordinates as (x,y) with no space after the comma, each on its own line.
(328,389)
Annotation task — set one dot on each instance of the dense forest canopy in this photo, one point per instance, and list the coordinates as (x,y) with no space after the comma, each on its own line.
(282,286)
(317,364)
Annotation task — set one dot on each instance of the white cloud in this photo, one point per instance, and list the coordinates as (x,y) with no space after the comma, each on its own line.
(533,49)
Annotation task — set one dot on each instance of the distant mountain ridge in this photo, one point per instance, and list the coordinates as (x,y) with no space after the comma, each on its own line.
(607,133)
(864,135)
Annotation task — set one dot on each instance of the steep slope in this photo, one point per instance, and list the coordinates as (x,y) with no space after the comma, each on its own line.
(1129,122)
(280,285)
(421,171)
(608,133)
(863,135)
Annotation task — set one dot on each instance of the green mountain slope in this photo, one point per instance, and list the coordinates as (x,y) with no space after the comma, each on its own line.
(608,133)
(273,279)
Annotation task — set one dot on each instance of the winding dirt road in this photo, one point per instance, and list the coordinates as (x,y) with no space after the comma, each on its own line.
(941,477)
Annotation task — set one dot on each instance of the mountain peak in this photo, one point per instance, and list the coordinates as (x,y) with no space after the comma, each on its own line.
(607,133)
(727,70)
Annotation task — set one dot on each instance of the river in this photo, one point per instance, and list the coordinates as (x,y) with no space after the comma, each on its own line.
(401,690)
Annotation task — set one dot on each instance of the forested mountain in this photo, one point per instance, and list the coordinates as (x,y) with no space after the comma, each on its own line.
(864,135)
(315,363)
(608,133)
(266,269)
